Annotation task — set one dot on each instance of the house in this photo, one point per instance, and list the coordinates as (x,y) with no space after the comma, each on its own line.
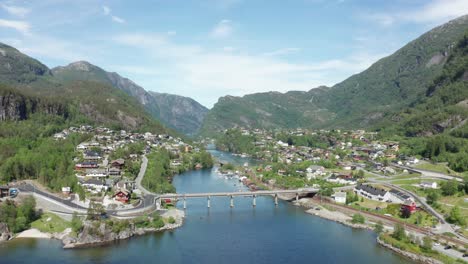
(122,195)
(4,191)
(118,163)
(92,156)
(66,190)
(371,192)
(342,179)
(114,171)
(408,206)
(428,185)
(314,171)
(86,165)
(396,196)
(93,184)
(96,173)
(340,197)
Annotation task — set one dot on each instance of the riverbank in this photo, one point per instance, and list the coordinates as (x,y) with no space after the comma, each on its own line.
(407,254)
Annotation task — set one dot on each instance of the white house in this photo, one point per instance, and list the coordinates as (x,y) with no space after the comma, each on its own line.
(372,193)
(96,173)
(428,185)
(340,197)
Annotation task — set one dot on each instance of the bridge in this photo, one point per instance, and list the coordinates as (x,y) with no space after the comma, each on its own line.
(254,194)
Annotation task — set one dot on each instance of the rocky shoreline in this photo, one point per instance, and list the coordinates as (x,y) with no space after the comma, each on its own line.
(107,236)
(103,234)
(412,256)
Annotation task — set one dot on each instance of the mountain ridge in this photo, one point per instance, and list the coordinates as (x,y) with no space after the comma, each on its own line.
(360,101)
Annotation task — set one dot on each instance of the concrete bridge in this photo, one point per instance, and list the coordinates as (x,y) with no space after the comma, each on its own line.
(275,193)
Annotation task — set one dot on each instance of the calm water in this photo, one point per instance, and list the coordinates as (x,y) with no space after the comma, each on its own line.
(265,234)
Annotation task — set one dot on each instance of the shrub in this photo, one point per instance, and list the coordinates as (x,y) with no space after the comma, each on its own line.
(171,220)
(358,219)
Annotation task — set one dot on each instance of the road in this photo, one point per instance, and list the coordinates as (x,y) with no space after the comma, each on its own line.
(141,175)
(428,174)
(450,252)
(248,193)
(146,204)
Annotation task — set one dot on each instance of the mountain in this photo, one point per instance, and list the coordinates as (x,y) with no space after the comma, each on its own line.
(90,101)
(444,107)
(15,67)
(389,85)
(181,113)
(85,71)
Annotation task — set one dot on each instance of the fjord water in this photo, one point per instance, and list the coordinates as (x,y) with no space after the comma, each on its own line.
(243,234)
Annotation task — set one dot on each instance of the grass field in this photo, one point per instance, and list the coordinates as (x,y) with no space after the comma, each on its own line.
(439,167)
(50,223)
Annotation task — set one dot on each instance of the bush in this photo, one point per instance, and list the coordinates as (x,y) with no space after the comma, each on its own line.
(399,232)
(171,220)
(358,219)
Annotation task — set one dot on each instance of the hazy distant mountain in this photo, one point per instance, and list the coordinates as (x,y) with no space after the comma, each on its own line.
(389,85)
(181,113)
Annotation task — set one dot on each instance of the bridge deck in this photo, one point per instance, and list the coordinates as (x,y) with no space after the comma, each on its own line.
(248,193)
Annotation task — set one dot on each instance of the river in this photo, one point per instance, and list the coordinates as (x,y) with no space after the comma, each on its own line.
(243,234)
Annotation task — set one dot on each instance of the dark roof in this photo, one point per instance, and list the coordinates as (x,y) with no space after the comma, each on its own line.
(92,154)
(402,195)
(371,190)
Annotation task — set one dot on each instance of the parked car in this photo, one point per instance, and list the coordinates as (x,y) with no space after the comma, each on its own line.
(447,247)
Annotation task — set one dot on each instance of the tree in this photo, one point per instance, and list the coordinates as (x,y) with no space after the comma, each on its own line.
(449,187)
(358,219)
(432,197)
(399,232)
(360,174)
(456,217)
(379,228)
(95,210)
(426,243)
(76,223)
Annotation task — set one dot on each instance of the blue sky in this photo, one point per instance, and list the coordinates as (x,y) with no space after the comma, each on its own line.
(205,49)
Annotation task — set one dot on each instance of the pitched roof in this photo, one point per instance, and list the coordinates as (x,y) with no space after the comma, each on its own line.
(371,190)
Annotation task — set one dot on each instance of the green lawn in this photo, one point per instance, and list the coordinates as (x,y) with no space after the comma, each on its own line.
(455,200)
(438,167)
(50,223)
(406,182)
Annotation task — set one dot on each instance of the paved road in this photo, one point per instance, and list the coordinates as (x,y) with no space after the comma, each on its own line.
(450,252)
(29,188)
(428,173)
(141,175)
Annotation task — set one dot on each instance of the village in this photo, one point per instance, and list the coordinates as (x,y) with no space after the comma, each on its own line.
(107,165)
(354,168)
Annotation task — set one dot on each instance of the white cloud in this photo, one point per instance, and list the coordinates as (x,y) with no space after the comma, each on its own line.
(223,29)
(281,52)
(213,72)
(435,11)
(16,10)
(118,19)
(20,26)
(438,11)
(106,10)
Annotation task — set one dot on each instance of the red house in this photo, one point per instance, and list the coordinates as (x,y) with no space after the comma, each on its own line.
(122,195)
(408,206)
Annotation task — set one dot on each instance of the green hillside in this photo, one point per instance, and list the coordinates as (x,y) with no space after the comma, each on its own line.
(389,85)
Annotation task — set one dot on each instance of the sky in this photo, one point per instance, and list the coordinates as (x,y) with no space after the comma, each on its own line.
(206,49)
